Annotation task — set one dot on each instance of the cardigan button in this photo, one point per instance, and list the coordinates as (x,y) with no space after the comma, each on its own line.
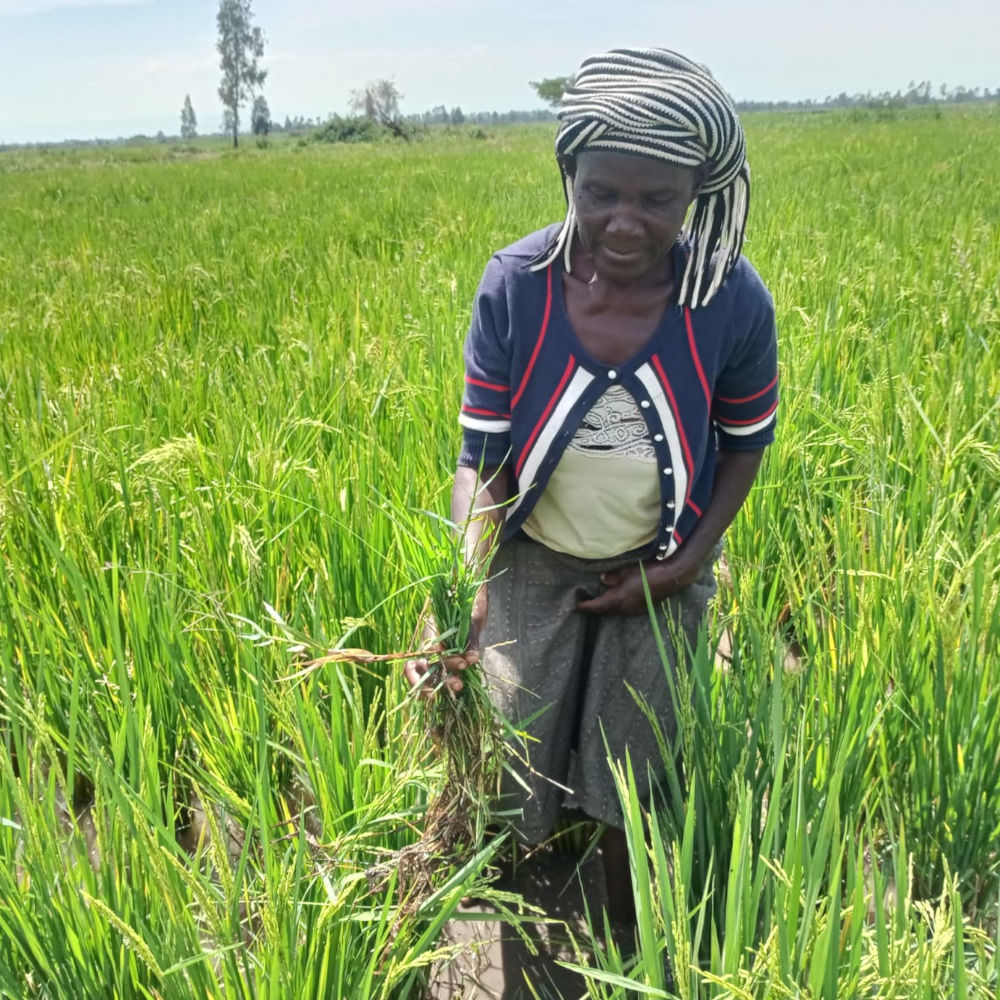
(644,404)
(662,546)
(668,471)
(657,437)
(661,556)
(670,504)
(612,374)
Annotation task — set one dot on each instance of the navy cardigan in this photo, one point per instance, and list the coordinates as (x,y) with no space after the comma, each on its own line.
(706,379)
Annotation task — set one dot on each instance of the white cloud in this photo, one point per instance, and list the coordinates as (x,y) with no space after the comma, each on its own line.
(10,8)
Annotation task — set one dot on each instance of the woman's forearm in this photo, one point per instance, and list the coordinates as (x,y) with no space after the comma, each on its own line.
(735,472)
(479,501)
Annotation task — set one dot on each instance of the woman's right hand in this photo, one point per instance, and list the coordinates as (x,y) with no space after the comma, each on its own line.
(415,670)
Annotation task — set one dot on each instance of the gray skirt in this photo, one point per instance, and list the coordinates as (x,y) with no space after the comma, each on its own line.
(570,681)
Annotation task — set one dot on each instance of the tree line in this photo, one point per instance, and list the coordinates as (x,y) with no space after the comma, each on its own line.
(376,111)
(375,107)
(551,90)
(916,95)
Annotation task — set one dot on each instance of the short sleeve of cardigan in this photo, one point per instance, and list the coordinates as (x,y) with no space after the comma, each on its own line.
(745,402)
(485,413)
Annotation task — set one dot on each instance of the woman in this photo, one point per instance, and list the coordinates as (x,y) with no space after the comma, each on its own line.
(621,385)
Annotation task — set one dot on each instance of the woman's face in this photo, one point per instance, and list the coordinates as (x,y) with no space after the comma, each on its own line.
(630,210)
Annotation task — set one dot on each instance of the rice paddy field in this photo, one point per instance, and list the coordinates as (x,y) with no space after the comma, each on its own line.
(228,397)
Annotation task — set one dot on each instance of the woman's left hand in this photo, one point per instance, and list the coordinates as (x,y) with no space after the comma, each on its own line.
(734,475)
(625,594)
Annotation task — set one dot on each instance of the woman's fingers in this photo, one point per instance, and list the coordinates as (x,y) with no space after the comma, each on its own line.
(415,670)
(418,676)
(454,663)
(623,596)
(603,604)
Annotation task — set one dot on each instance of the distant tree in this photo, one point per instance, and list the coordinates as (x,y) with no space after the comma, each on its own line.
(456,117)
(552,88)
(260,118)
(379,101)
(240,45)
(189,124)
(357,128)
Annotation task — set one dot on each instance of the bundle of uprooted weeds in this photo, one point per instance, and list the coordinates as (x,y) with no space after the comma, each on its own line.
(467,733)
(472,739)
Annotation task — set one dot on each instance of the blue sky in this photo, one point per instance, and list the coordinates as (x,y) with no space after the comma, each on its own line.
(103,68)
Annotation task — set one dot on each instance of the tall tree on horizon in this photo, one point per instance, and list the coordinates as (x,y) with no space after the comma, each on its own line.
(240,45)
(260,119)
(189,124)
(379,101)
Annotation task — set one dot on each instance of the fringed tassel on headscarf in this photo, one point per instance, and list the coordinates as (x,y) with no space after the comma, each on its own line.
(716,230)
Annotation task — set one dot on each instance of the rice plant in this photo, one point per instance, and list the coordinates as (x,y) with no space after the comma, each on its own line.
(226,382)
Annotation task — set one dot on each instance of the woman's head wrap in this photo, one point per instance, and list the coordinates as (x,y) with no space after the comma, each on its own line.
(654,102)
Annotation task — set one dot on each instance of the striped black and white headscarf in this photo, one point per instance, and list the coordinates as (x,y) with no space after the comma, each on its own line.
(657,103)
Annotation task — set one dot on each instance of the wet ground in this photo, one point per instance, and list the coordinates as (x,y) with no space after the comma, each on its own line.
(495,963)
